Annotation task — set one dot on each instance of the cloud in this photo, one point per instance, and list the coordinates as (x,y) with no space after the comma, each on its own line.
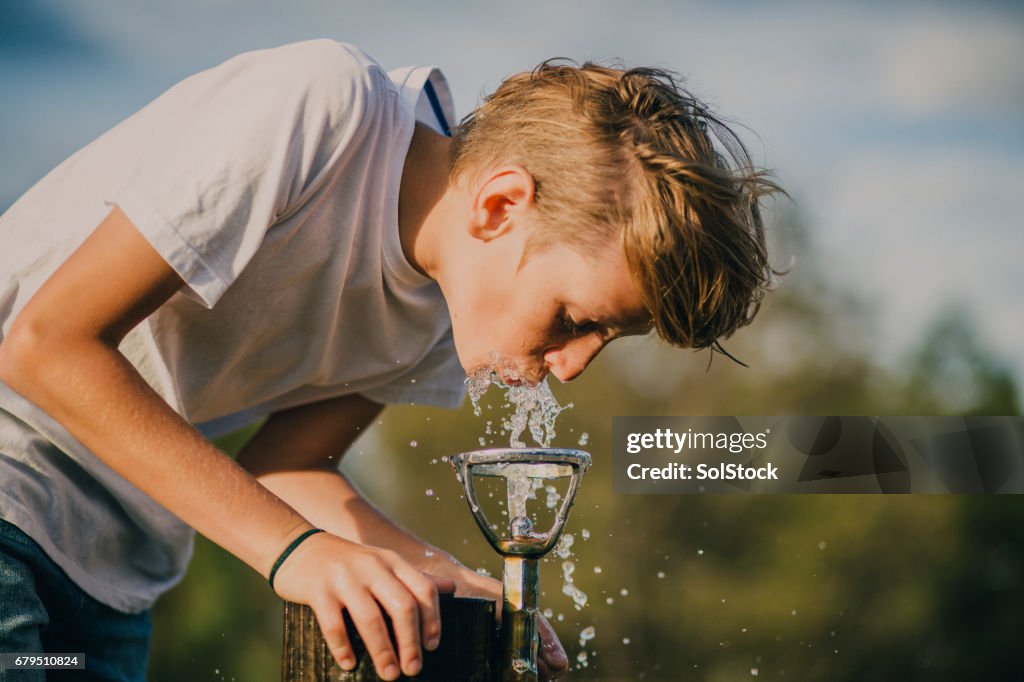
(955,65)
(920,231)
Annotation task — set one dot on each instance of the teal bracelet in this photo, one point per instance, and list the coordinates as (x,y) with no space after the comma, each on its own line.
(287,552)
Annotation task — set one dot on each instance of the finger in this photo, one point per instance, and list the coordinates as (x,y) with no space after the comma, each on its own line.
(551,652)
(369,622)
(443,585)
(551,670)
(402,606)
(332,625)
(425,589)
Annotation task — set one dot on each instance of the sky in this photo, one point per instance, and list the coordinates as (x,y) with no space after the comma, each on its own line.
(897,127)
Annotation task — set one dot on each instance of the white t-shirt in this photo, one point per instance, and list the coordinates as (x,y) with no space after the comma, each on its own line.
(270,184)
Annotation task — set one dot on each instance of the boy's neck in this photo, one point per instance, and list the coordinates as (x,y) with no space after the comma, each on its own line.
(421,197)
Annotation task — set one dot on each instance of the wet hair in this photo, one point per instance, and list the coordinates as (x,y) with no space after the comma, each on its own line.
(631,155)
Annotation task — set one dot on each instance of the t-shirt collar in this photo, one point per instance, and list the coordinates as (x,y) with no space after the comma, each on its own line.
(424,90)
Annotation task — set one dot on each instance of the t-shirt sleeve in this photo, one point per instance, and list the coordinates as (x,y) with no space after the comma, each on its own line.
(225,153)
(438,380)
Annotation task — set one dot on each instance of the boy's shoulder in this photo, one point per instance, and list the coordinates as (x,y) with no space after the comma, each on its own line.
(322,62)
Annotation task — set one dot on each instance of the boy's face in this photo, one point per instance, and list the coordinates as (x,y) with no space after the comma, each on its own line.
(552,314)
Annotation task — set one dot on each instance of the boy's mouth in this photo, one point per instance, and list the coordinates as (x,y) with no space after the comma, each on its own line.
(506,371)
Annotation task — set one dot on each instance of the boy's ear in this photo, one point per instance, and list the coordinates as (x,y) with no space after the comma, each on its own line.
(504,196)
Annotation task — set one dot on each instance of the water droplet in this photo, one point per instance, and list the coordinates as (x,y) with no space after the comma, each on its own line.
(564,547)
(661,574)
(413,444)
(822,545)
(552,496)
(753,672)
(430,492)
(578,596)
(700,552)
(548,613)
(624,592)
(597,569)
(584,438)
(626,640)
(585,533)
(586,634)
(609,601)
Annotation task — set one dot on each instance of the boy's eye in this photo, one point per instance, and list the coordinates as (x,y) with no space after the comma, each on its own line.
(575,328)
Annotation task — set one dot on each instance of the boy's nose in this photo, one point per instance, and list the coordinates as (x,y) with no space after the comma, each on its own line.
(569,361)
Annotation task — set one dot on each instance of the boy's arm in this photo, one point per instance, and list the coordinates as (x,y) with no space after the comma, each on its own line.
(295,454)
(61,354)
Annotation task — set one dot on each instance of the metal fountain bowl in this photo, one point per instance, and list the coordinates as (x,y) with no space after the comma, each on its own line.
(543,463)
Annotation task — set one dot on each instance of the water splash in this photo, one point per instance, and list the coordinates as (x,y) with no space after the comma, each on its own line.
(569,588)
(534,406)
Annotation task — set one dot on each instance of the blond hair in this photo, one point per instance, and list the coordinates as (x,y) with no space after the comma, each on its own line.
(629,154)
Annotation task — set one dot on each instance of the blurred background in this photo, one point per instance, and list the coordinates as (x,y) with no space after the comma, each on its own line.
(898,129)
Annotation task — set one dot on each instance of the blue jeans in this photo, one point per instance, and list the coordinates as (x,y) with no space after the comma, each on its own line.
(41,610)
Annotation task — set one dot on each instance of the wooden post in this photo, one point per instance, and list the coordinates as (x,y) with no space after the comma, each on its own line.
(466,653)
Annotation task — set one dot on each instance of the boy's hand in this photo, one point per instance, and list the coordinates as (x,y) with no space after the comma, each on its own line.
(330,574)
(551,660)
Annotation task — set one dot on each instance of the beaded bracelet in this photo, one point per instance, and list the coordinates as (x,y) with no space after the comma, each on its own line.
(287,552)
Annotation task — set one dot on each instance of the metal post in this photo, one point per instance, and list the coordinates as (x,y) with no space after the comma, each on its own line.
(519,637)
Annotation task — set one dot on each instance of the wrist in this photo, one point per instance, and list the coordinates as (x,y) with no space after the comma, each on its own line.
(292,541)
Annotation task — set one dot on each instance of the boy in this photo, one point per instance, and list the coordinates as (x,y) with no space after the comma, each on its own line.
(294,234)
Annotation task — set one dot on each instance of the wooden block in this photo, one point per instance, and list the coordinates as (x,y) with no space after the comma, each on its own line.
(466,653)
